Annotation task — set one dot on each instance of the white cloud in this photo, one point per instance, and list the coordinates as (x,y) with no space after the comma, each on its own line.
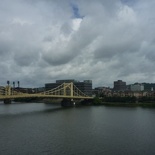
(76,23)
(41,41)
(17,20)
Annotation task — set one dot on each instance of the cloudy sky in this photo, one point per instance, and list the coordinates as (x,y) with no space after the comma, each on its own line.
(101,40)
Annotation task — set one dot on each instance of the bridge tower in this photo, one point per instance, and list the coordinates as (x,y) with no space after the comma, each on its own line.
(7,93)
(68,86)
(68,91)
(8,90)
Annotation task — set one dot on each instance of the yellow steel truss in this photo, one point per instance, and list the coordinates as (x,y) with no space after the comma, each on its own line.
(65,90)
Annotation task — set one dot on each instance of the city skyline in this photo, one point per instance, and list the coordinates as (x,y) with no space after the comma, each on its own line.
(42,41)
(18,84)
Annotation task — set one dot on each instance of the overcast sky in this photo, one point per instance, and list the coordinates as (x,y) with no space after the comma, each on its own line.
(101,40)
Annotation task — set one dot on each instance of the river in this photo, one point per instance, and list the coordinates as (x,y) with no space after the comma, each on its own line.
(38,128)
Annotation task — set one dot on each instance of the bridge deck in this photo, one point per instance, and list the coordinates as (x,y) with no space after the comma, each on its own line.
(42,96)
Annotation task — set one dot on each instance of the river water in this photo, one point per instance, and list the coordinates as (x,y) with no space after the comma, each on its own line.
(38,128)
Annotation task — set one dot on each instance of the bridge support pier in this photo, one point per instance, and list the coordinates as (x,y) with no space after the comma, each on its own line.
(87,102)
(7,101)
(67,103)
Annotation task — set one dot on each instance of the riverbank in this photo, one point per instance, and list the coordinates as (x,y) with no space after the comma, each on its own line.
(125,101)
(129,104)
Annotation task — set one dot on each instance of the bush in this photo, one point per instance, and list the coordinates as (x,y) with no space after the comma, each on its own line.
(120,99)
(97,101)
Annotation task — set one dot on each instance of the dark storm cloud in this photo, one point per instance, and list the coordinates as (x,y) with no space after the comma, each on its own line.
(41,41)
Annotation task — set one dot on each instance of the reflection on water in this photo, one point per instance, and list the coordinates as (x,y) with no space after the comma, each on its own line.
(21,108)
(37,128)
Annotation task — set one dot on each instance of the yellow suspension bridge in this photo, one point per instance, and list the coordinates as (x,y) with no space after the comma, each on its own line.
(65,91)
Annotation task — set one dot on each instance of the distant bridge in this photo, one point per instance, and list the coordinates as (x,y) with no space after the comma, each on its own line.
(65,91)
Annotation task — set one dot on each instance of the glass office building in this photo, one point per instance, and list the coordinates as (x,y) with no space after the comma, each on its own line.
(84,86)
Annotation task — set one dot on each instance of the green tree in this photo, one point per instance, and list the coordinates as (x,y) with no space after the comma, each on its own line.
(97,101)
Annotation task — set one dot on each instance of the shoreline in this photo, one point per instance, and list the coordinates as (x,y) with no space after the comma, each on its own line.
(139,104)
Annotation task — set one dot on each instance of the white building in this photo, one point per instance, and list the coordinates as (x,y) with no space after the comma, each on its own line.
(137,87)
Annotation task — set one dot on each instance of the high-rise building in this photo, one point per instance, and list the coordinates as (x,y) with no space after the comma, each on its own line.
(84,86)
(119,85)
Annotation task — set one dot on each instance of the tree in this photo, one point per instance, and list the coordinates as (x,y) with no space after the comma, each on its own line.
(97,101)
